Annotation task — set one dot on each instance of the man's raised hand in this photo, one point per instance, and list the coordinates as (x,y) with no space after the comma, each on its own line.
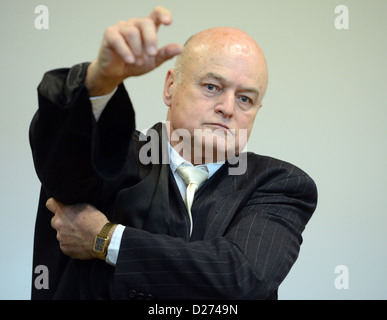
(130,49)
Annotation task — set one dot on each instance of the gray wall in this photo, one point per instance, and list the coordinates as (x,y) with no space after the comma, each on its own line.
(325,111)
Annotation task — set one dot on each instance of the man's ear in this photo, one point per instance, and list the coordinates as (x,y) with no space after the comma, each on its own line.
(169,84)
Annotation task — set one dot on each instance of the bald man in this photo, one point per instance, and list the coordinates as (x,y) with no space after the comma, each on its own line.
(121,224)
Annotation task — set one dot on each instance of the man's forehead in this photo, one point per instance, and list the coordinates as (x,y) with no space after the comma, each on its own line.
(232,40)
(242,57)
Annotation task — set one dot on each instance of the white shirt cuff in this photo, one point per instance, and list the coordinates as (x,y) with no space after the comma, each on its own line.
(99,103)
(114,245)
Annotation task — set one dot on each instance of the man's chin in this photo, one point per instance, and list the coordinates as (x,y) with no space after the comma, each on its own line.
(217,151)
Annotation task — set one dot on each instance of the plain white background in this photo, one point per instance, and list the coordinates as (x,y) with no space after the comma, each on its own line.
(325,111)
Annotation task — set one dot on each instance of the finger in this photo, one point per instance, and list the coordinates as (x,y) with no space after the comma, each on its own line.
(161,15)
(132,35)
(149,35)
(168,52)
(117,42)
(51,205)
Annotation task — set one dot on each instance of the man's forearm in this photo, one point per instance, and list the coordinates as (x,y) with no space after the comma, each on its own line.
(172,268)
(71,152)
(60,135)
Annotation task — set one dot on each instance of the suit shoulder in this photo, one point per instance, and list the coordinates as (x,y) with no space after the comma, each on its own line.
(281,177)
(273,167)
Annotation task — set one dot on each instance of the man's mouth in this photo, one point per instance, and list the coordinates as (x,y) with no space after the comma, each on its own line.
(219,125)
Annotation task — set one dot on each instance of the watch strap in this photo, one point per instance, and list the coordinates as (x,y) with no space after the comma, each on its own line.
(105,230)
(103,236)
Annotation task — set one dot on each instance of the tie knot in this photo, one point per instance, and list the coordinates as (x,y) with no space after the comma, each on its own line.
(196,175)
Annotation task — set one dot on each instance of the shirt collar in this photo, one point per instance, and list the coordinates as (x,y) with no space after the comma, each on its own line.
(176,160)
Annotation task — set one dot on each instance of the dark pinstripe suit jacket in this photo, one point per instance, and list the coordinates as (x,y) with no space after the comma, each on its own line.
(247,228)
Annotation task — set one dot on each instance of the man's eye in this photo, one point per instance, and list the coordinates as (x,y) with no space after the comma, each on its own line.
(245,99)
(210,87)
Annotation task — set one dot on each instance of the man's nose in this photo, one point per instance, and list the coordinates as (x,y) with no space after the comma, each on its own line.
(226,105)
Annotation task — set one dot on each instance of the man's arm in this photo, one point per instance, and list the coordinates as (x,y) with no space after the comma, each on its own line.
(76,158)
(73,154)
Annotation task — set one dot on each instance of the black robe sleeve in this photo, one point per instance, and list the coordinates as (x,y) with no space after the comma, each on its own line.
(77,160)
(73,154)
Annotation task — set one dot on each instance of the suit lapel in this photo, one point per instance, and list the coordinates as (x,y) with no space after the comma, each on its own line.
(215,205)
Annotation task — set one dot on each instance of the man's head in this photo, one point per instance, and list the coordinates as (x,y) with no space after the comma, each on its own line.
(217,88)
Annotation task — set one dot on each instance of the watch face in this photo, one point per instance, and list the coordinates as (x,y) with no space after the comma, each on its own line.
(99,244)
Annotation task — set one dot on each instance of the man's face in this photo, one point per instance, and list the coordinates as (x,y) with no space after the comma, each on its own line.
(216,98)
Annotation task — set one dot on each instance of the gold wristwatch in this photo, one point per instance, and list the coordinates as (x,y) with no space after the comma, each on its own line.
(101,241)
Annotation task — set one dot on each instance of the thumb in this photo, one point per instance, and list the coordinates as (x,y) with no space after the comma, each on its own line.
(52,205)
(168,52)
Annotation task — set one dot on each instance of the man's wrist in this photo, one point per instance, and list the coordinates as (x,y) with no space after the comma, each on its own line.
(111,234)
(102,240)
(98,85)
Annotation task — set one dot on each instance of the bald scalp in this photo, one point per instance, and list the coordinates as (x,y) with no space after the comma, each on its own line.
(219,38)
